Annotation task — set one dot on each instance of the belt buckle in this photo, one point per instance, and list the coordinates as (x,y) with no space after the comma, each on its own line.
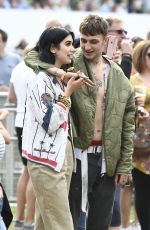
(95,150)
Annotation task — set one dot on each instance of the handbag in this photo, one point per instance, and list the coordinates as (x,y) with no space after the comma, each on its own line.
(142,139)
(6,210)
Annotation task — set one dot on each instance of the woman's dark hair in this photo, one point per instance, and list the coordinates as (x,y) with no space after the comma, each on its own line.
(52,36)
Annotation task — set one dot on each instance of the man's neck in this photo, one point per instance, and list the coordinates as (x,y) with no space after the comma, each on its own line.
(2,53)
(97,61)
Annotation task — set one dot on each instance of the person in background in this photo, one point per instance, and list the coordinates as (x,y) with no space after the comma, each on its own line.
(20,78)
(4,132)
(19,49)
(148,35)
(53,22)
(127,193)
(20,4)
(141,164)
(4,139)
(128,206)
(102,150)
(123,55)
(4,4)
(7,62)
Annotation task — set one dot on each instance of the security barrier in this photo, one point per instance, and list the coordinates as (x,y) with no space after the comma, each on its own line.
(11,165)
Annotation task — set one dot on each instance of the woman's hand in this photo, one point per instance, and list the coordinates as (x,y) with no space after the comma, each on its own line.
(142,113)
(3,114)
(139,100)
(77,81)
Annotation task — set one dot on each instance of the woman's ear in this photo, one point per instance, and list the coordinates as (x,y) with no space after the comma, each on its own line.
(52,49)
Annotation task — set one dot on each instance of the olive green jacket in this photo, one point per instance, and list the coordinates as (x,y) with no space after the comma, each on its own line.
(119,114)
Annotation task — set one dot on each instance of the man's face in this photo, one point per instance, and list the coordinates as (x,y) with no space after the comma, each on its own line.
(117,29)
(92,46)
(2,44)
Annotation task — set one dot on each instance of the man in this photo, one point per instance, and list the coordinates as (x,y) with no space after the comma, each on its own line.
(53,22)
(104,121)
(7,62)
(123,55)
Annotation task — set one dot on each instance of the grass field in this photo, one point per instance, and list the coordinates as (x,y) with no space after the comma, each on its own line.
(13,208)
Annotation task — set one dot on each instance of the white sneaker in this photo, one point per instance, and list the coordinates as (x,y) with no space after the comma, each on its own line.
(136,227)
(128,228)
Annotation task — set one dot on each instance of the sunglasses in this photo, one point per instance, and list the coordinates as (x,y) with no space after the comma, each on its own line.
(118,31)
(148,54)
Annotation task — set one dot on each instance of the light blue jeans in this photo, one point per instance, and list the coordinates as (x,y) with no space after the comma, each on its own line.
(2,224)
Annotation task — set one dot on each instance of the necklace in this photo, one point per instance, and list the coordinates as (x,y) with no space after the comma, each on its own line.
(99,83)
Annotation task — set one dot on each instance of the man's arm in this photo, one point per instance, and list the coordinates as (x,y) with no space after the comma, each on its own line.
(32,60)
(126,64)
(128,129)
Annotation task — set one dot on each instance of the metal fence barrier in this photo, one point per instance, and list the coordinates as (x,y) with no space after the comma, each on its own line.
(11,165)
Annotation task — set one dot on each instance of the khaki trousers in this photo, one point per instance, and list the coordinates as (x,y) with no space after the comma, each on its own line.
(51,190)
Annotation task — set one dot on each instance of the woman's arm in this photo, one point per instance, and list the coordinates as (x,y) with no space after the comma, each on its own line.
(3,114)
(51,111)
(11,94)
(5,133)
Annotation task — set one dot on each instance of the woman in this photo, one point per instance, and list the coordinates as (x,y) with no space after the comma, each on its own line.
(47,132)
(5,211)
(141,170)
(25,198)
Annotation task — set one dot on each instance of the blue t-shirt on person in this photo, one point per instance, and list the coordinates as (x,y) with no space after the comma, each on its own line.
(7,63)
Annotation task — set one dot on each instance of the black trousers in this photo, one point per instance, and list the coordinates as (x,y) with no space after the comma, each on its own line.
(19,136)
(142,198)
(100,195)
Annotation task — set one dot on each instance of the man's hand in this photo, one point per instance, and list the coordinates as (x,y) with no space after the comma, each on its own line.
(126,47)
(117,56)
(121,180)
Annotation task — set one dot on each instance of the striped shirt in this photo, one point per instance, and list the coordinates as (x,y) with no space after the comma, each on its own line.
(2,146)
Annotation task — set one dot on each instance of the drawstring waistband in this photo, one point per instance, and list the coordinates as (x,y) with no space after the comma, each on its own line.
(96,143)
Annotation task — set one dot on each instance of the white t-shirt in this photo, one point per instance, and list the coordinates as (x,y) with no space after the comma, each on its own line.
(21,76)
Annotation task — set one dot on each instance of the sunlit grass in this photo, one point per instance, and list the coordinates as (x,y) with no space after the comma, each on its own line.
(13,208)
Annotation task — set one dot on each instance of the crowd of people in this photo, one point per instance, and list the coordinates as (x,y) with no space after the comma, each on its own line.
(130,6)
(82,125)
